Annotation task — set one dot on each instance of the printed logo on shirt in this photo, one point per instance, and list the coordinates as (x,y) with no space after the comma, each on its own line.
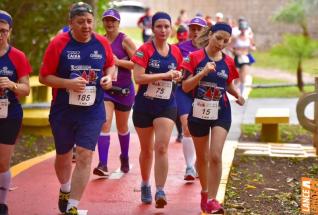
(5,71)
(187,59)
(222,74)
(172,66)
(199,69)
(140,54)
(73,55)
(154,63)
(96,55)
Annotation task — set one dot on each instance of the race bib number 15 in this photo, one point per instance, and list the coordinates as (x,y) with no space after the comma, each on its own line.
(207,110)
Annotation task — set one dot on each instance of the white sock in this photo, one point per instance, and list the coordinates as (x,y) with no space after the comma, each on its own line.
(72,203)
(188,151)
(5,179)
(145,183)
(66,188)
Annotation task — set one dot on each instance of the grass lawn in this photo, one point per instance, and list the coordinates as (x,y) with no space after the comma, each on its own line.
(276,92)
(267,60)
(288,133)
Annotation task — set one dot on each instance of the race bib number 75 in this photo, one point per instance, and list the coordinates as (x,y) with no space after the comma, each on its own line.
(159,89)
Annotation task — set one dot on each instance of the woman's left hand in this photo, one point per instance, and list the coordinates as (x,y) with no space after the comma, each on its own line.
(106,82)
(240,100)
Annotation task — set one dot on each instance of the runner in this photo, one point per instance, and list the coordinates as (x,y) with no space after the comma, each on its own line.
(14,83)
(156,70)
(210,73)
(121,97)
(145,24)
(74,64)
(184,100)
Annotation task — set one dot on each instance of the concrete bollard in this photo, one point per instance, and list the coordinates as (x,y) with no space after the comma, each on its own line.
(309,124)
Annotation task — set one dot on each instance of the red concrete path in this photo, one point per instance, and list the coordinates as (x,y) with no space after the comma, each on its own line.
(37,188)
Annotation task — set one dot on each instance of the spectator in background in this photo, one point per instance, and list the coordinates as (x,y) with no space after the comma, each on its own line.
(219,17)
(209,21)
(145,24)
(182,33)
(242,46)
(182,18)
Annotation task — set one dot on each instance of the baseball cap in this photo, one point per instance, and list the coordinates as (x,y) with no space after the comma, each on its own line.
(198,21)
(112,13)
(219,15)
(79,8)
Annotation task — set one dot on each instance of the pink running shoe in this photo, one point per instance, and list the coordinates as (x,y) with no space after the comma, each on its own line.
(214,207)
(204,200)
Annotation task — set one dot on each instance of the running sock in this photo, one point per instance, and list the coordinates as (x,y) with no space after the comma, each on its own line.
(188,151)
(124,143)
(159,188)
(66,188)
(145,183)
(103,148)
(72,203)
(5,179)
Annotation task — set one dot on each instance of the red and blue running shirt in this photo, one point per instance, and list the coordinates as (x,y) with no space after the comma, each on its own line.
(13,65)
(67,58)
(149,58)
(214,85)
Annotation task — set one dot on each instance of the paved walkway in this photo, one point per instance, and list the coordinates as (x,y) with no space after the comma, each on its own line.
(35,186)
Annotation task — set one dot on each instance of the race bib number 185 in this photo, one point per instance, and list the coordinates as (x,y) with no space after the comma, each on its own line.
(86,98)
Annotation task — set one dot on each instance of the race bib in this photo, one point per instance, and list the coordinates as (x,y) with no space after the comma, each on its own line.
(148,31)
(86,98)
(159,89)
(243,59)
(207,110)
(4,107)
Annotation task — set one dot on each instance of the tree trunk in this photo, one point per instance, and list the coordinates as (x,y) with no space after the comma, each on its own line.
(305,30)
(300,82)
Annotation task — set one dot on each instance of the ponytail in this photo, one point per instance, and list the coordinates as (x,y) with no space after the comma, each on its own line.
(203,39)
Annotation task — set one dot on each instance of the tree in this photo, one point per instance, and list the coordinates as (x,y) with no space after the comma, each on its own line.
(36,22)
(294,13)
(298,48)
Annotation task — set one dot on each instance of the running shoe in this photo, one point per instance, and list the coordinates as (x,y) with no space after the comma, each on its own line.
(63,200)
(160,198)
(72,211)
(204,200)
(146,196)
(214,207)
(190,174)
(3,209)
(124,164)
(101,170)
(179,138)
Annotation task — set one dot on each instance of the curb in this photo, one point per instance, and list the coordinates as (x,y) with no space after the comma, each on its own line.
(20,167)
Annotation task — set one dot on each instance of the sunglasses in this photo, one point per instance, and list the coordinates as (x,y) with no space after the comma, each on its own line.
(80,10)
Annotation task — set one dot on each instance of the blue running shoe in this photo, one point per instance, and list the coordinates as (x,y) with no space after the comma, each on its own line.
(160,198)
(146,197)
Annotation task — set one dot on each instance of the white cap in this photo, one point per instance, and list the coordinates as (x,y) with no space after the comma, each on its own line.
(219,15)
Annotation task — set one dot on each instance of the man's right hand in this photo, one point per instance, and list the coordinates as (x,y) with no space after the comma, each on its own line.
(77,84)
